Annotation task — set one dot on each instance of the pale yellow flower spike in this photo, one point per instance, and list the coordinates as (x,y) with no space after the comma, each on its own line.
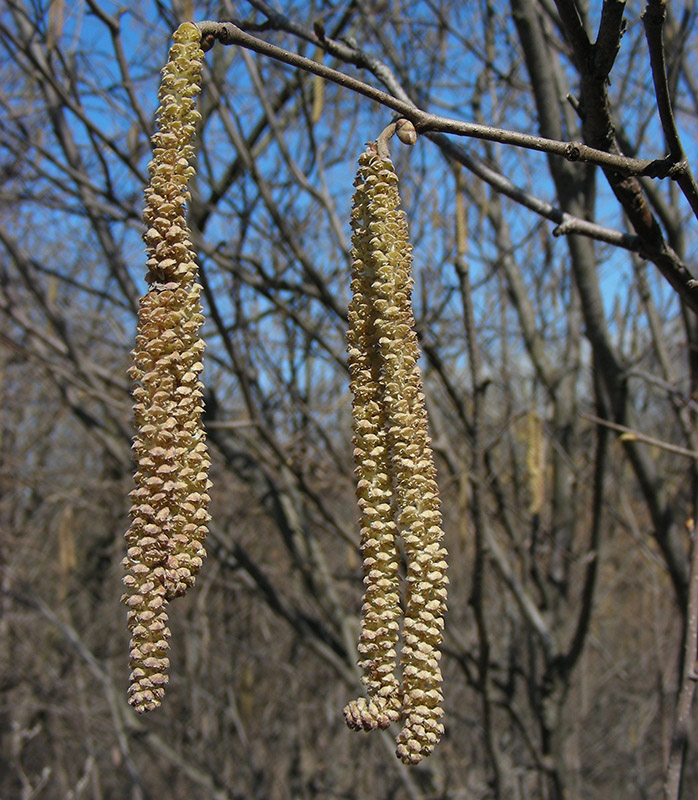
(169,512)
(381,605)
(414,481)
(535,462)
(397,489)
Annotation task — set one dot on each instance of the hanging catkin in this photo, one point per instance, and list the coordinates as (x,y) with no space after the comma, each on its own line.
(535,461)
(374,487)
(396,487)
(169,511)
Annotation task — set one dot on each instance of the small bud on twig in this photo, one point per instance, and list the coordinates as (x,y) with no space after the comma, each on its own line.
(406,132)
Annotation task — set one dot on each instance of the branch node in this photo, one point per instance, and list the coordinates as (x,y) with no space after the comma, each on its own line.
(664,167)
(211,31)
(573,151)
(563,228)
(319,30)
(678,169)
(405,131)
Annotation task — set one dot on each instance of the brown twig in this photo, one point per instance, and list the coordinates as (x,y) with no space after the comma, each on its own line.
(621,169)
(653,20)
(478,470)
(349,53)
(599,130)
(228,33)
(565,223)
(637,436)
(591,572)
(680,734)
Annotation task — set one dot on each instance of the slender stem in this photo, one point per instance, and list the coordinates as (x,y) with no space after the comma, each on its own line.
(588,594)
(477,469)
(565,223)
(607,44)
(383,138)
(653,19)
(350,54)
(680,734)
(228,33)
(642,437)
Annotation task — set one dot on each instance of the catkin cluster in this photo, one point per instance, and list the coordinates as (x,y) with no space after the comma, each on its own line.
(396,487)
(169,504)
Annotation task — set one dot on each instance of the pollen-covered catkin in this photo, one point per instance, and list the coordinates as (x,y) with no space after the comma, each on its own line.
(381,603)
(169,504)
(414,482)
(389,407)
(535,462)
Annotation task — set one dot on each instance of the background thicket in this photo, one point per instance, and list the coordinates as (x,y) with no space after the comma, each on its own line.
(569,540)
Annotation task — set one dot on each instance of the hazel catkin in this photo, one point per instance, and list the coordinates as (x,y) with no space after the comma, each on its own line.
(396,478)
(169,504)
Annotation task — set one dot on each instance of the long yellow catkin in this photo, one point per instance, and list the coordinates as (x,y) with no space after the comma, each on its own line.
(396,485)
(169,512)
(535,462)
(375,493)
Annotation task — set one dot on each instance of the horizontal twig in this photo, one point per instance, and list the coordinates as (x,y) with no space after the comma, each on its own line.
(642,437)
(228,33)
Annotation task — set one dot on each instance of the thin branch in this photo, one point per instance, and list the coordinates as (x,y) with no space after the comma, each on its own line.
(607,44)
(599,129)
(642,437)
(653,20)
(349,53)
(680,734)
(566,223)
(477,467)
(228,33)
(588,594)
(574,27)
(620,168)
